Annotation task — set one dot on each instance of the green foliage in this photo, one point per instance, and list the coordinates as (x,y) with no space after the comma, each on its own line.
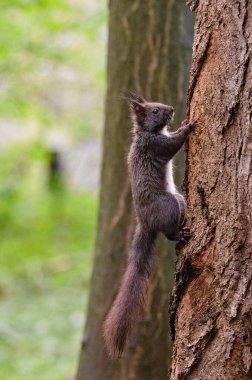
(46,240)
(52,76)
(52,62)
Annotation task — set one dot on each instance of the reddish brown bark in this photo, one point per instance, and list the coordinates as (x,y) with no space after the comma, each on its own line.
(212,305)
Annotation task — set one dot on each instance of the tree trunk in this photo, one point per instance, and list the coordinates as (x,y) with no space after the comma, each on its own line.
(148,51)
(212,306)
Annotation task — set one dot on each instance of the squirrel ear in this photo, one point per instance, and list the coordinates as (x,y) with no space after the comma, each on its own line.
(136,103)
(138,108)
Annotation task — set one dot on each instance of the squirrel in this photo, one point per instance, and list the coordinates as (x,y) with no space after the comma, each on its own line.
(159,208)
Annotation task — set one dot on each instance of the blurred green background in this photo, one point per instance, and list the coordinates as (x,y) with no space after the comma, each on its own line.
(52,76)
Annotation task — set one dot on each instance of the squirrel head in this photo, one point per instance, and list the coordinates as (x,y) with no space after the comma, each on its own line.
(148,116)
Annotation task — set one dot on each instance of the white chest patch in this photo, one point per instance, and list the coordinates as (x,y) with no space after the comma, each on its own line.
(170,185)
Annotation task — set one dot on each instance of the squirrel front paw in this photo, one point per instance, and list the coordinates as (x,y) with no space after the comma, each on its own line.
(185,125)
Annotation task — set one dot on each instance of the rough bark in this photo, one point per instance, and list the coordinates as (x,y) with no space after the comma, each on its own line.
(212,305)
(148,51)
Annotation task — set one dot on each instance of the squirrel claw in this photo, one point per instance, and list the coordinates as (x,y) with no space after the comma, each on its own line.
(186,229)
(185,234)
(184,123)
(186,126)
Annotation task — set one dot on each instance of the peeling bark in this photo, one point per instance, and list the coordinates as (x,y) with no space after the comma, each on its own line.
(211,306)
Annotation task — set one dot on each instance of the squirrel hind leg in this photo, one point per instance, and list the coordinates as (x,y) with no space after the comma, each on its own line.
(178,231)
(182,207)
(182,235)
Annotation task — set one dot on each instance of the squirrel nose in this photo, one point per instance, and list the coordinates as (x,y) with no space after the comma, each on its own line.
(170,110)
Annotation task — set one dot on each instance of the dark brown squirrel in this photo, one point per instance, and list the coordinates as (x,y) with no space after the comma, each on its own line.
(158,208)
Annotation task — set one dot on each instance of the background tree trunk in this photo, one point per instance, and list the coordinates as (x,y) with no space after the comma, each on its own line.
(212,305)
(148,51)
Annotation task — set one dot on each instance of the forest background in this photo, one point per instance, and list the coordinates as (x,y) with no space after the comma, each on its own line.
(52,79)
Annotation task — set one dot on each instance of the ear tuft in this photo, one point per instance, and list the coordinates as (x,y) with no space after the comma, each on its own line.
(135,97)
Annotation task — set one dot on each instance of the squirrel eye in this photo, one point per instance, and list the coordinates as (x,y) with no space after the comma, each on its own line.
(155,110)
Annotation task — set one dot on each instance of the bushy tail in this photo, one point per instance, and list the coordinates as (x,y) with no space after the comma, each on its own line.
(129,302)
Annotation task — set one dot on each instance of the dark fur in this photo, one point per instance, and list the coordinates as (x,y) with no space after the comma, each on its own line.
(156,211)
